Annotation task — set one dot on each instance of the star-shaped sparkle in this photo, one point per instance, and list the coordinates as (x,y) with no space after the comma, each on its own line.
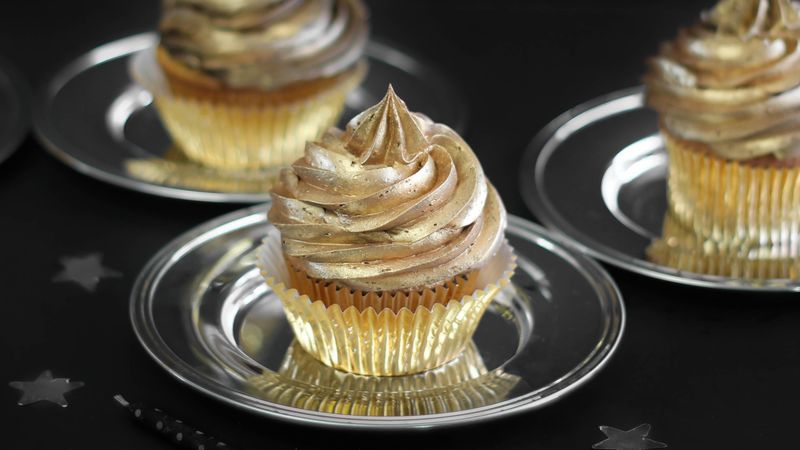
(86,271)
(634,439)
(45,388)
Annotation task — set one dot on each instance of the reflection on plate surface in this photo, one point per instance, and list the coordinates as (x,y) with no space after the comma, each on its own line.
(304,382)
(174,169)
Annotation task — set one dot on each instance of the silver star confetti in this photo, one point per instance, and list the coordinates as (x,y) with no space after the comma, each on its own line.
(86,271)
(45,388)
(633,439)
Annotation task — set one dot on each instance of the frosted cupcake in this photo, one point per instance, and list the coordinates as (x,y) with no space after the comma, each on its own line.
(244,84)
(390,245)
(727,91)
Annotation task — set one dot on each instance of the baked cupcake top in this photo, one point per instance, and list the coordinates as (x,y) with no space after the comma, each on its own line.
(393,202)
(732,80)
(264,44)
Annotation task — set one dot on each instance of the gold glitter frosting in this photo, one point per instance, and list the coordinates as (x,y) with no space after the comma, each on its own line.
(393,202)
(265,44)
(732,81)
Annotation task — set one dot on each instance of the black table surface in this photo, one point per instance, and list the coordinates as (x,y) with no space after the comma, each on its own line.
(707,369)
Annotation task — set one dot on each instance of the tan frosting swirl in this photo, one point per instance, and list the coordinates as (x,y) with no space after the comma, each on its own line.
(732,81)
(394,202)
(265,44)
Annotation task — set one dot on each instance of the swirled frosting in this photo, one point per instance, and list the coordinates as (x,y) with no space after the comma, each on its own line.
(732,81)
(393,202)
(264,44)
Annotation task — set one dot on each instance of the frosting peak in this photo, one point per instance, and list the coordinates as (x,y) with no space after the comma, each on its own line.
(386,133)
(393,202)
(732,81)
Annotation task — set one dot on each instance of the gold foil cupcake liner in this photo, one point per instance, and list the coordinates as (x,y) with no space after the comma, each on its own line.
(331,293)
(734,202)
(731,218)
(303,382)
(383,342)
(231,136)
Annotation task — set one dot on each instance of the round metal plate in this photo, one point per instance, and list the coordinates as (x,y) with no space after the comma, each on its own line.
(202,311)
(94,118)
(14,112)
(596,175)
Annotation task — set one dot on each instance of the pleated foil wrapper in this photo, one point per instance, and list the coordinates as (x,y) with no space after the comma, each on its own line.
(729,218)
(243,135)
(382,342)
(303,382)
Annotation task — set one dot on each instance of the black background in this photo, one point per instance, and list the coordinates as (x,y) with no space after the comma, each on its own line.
(708,369)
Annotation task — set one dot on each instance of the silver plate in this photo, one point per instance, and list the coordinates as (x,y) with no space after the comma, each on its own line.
(596,175)
(94,118)
(14,113)
(203,313)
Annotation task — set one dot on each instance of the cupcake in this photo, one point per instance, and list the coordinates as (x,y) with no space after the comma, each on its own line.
(243,85)
(727,91)
(303,382)
(389,243)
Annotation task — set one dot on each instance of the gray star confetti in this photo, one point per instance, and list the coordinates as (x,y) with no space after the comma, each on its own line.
(634,439)
(45,388)
(86,271)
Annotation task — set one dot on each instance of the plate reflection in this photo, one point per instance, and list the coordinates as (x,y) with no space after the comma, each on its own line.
(303,382)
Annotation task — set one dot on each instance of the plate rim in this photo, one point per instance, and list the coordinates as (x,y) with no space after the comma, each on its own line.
(535,157)
(61,148)
(147,335)
(20,92)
